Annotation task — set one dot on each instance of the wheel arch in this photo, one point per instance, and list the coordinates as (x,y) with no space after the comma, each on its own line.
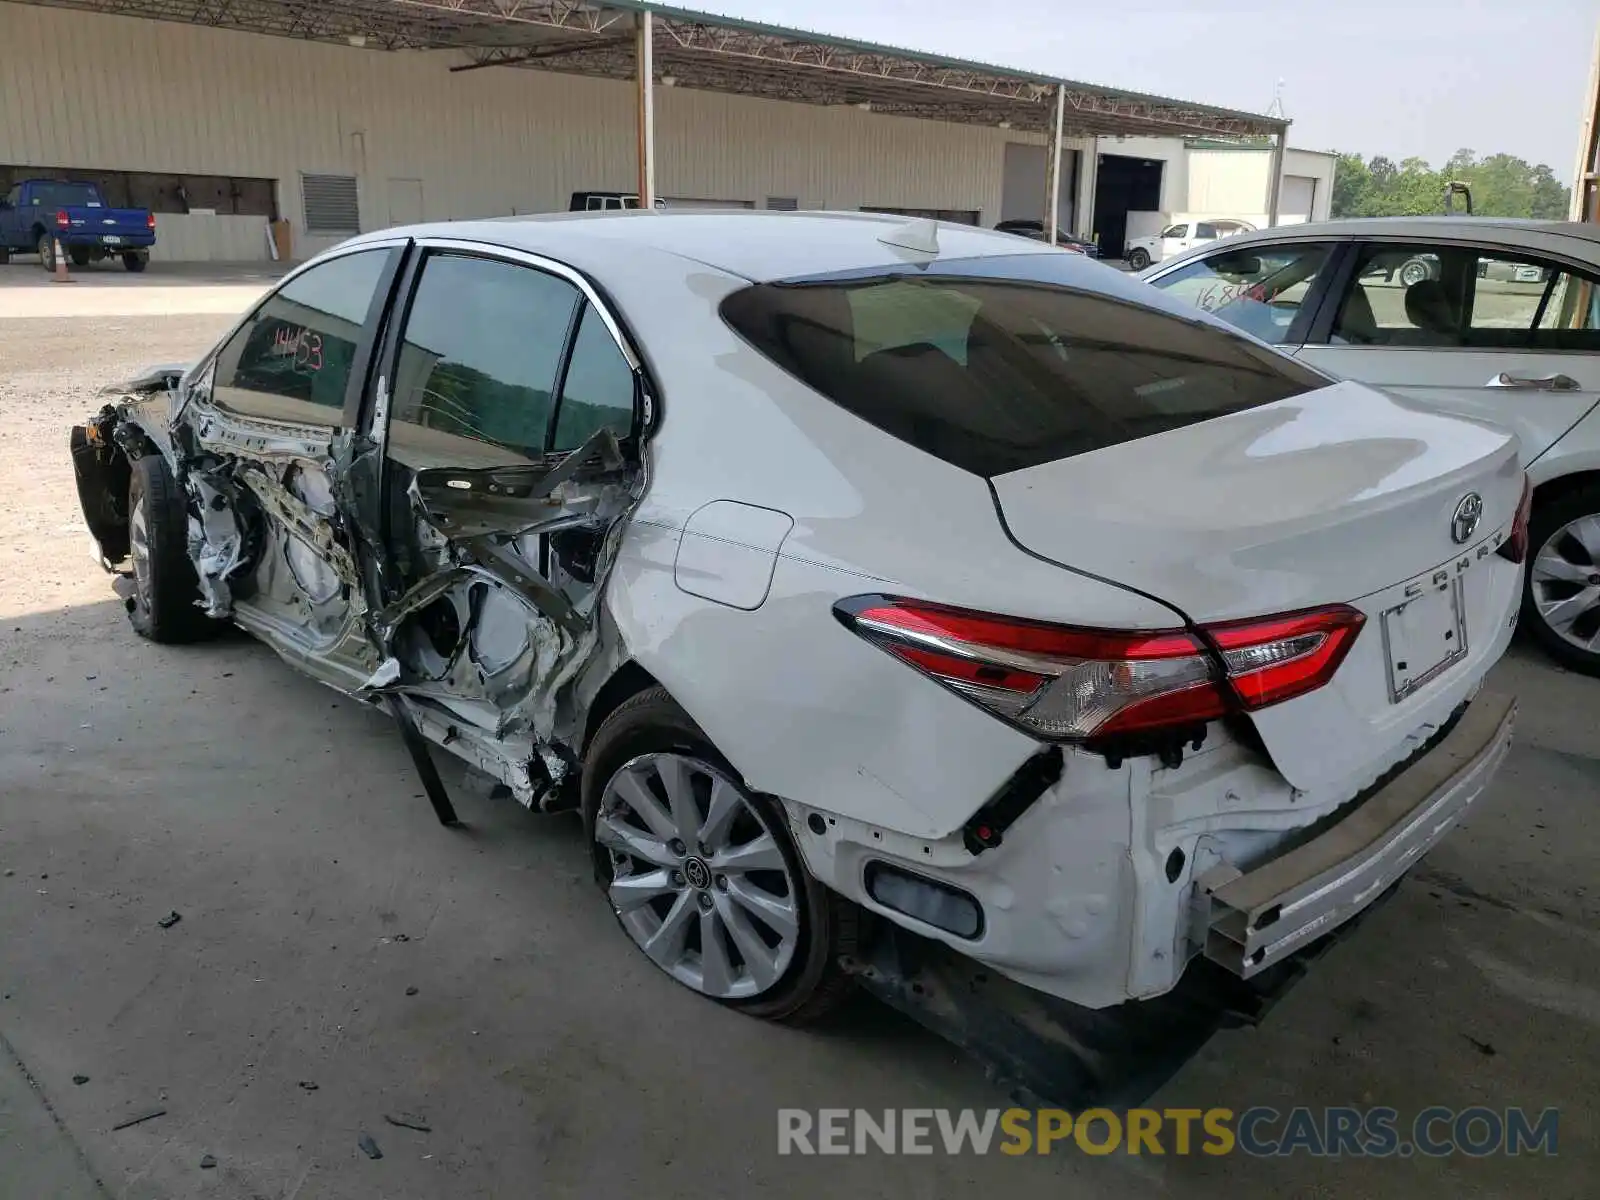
(622,685)
(1561,486)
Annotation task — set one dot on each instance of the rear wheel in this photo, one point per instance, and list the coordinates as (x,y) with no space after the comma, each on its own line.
(1414,271)
(702,873)
(1138,258)
(5,255)
(1561,588)
(47,252)
(79,256)
(134,262)
(165,588)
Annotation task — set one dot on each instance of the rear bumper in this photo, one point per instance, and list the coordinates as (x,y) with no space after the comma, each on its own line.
(1257,918)
(129,241)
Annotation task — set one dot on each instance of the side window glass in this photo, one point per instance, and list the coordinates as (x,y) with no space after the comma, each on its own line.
(1406,296)
(1257,290)
(598,391)
(1205,229)
(1570,319)
(291,361)
(1175,231)
(1506,300)
(477,371)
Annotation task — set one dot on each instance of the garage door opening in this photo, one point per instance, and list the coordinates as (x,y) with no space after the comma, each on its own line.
(1123,185)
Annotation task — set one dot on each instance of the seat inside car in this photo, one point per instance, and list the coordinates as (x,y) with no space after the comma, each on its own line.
(1430,308)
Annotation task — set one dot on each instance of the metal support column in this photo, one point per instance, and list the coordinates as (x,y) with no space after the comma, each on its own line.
(1583,174)
(1052,189)
(1275,180)
(645,56)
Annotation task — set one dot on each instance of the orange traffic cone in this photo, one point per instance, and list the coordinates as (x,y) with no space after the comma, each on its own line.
(61,275)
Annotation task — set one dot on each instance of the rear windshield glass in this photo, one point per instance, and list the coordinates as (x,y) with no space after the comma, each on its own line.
(997,364)
(66,195)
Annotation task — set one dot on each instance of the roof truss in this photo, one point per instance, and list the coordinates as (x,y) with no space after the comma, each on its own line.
(697,50)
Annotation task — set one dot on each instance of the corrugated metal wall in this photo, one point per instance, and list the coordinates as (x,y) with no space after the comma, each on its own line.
(119,93)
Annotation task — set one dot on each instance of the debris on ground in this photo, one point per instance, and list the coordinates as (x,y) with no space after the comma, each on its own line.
(305,1085)
(171,919)
(408,1121)
(412,991)
(402,937)
(80,1080)
(368,1146)
(1484,1048)
(207,1161)
(141,1118)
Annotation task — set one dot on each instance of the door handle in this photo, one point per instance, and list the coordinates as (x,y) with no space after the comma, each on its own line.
(1541,383)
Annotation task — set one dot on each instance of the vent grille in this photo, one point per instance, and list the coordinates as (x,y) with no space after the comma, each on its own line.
(331,204)
(783,203)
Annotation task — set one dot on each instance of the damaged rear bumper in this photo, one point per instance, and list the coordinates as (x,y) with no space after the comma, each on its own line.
(1257,918)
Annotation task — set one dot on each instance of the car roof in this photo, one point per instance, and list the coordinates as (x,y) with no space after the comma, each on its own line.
(756,245)
(1431,226)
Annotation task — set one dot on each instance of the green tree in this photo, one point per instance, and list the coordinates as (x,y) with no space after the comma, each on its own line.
(1503,185)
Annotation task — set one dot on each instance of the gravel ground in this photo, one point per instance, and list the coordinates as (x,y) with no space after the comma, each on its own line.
(286,828)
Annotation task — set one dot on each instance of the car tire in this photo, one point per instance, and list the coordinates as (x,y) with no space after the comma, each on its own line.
(5,255)
(651,728)
(1138,258)
(1413,271)
(47,252)
(1565,576)
(163,604)
(79,256)
(134,262)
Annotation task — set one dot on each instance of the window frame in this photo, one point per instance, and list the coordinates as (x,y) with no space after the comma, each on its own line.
(362,361)
(646,406)
(1303,325)
(1354,247)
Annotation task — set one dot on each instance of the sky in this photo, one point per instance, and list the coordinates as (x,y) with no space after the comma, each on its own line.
(1393,77)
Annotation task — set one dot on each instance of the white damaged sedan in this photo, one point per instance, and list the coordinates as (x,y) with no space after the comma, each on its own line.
(879,593)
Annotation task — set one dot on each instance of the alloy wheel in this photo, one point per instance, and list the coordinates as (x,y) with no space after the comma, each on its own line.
(139,551)
(1565,580)
(698,878)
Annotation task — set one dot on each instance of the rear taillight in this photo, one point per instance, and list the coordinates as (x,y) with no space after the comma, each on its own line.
(62,220)
(1070,684)
(1515,547)
(150,220)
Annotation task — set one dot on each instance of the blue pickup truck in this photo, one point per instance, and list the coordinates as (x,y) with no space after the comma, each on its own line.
(38,213)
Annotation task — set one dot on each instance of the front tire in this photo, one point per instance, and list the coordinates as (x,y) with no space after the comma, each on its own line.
(165,587)
(702,873)
(1138,258)
(1561,587)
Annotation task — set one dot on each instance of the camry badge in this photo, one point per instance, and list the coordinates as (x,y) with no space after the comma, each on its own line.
(1469,511)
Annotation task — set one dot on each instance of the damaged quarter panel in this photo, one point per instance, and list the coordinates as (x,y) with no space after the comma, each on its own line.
(916,760)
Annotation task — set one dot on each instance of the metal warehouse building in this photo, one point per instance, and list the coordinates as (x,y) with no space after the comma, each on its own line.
(338,116)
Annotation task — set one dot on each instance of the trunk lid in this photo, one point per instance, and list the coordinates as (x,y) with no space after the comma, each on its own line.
(1320,498)
(1340,495)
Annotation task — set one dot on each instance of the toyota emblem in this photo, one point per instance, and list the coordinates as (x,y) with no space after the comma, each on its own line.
(1469,511)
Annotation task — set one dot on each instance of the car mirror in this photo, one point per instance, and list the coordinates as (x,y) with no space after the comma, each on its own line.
(1237,264)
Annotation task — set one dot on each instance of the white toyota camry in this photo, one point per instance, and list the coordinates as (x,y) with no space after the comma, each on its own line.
(851,576)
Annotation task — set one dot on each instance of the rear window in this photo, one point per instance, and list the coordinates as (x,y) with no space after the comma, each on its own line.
(998,364)
(65,195)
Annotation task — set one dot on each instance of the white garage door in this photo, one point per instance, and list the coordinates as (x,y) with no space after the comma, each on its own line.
(1298,199)
(697,202)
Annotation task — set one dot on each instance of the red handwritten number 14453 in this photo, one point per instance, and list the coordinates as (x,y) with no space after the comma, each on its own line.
(304,344)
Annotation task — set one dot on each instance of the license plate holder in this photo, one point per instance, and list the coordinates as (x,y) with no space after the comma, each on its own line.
(111,239)
(1424,637)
